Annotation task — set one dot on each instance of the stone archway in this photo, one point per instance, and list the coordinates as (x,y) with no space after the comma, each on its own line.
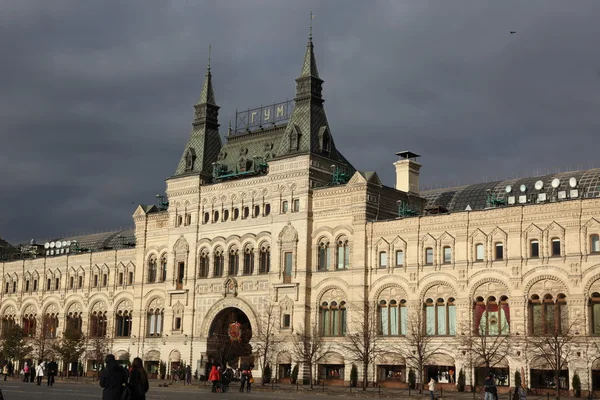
(228,340)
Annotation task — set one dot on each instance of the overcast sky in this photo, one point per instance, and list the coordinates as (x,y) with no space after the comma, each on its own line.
(96,96)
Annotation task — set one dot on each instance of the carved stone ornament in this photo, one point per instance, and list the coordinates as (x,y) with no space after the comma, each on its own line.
(125,305)
(73,308)
(155,304)
(230,288)
(30,310)
(10,310)
(181,246)
(99,306)
(52,309)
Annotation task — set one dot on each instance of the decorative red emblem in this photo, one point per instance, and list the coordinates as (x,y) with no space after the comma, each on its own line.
(235,331)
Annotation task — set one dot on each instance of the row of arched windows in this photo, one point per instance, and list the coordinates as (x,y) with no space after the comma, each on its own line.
(154,273)
(491,316)
(338,259)
(234,258)
(479,252)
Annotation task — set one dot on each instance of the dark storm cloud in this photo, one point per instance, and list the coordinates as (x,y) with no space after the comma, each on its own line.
(96,97)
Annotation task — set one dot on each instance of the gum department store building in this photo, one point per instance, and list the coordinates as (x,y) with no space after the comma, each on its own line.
(277,215)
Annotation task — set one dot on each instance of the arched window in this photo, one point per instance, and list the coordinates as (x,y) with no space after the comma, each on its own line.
(218,261)
(8,321)
(152,269)
(163,268)
(440,317)
(123,323)
(29,325)
(248,261)
(548,315)
(392,317)
(555,247)
(154,322)
(429,256)
(234,262)
(491,317)
(324,256)
(179,220)
(333,318)
(594,305)
(188,219)
(447,254)
(51,324)
(204,264)
(265,259)
(98,324)
(343,254)
(594,243)
(73,321)
(534,248)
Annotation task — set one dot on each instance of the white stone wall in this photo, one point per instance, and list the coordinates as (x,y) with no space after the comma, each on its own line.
(325,214)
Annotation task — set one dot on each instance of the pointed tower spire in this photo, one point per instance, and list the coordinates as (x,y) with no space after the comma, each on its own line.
(208,94)
(309,68)
(204,144)
(307,131)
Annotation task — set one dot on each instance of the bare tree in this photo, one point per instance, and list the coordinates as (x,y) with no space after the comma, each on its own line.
(418,348)
(484,349)
(552,341)
(362,342)
(266,341)
(43,339)
(96,349)
(310,348)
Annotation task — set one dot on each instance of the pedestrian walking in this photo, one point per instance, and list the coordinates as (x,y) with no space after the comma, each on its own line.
(432,388)
(243,379)
(226,378)
(215,378)
(26,372)
(113,379)
(5,371)
(52,371)
(250,380)
(39,372)
(188,375)
(138,380)
(490,388)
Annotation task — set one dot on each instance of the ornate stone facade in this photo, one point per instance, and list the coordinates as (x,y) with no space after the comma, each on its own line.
(319,252)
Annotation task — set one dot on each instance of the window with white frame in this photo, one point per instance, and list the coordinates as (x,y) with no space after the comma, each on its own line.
(479,252)
(447,255)
(382,259)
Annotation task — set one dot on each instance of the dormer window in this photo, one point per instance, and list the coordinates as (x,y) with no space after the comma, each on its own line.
(190,158)
(324,140)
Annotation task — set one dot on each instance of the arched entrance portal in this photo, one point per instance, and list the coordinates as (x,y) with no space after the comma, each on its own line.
(229,343)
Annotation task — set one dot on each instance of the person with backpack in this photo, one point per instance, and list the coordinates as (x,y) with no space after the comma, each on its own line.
(113,379)
(226,379)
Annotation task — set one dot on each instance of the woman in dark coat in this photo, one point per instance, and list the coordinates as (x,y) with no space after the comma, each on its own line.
(138,380)
(113,379)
